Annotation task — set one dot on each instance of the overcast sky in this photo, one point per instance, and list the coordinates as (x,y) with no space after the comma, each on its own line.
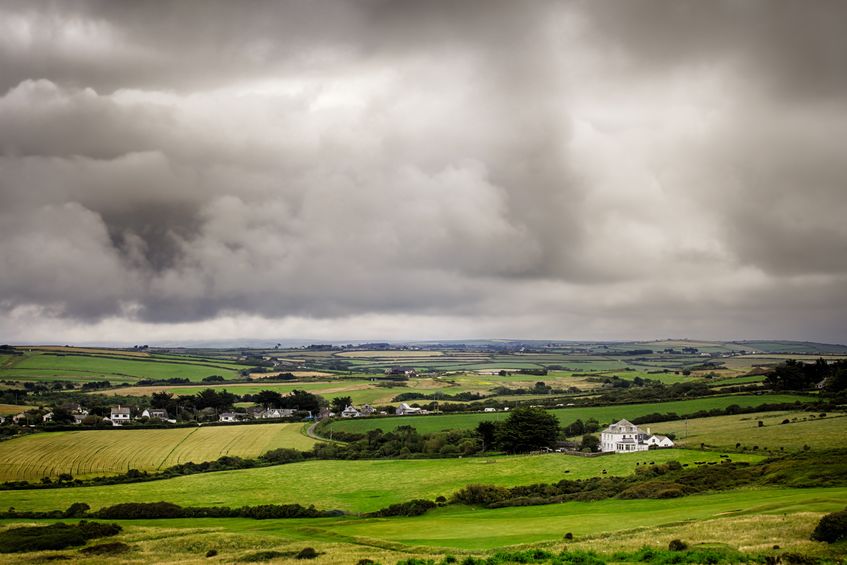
(383,169)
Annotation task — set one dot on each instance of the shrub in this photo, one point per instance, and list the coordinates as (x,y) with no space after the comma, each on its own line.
(106,549)
(306,553)
(411,508)
(831,528)
(54,536)
(211,553)
(677,545)
(260,556)
(569,536)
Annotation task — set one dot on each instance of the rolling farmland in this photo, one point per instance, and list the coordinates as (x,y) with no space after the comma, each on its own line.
(434,423)
(108,452)
(355,486)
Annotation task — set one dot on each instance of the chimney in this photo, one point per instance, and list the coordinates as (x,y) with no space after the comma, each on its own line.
(648,431)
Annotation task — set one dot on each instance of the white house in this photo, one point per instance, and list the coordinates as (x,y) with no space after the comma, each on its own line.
(232,417)
(119,415)
(155,414)
(406,410)
(659,441)
(350,412)
(278,413)
(626,437)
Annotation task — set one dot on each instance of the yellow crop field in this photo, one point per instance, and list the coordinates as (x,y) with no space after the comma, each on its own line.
(88,453)
(390,354)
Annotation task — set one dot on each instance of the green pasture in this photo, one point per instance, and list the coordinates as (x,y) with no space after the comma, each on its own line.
(41,366)
(354,486)
(466,528)
(723,432)
(604,414)
(87,453)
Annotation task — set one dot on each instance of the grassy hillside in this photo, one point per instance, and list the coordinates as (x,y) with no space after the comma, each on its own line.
(108,452)
(802,429)
(355,486)
(433,423)
(48,365)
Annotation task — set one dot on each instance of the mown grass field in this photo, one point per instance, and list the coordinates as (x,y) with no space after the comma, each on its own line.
(471,529)
(107,452)
(604,414)
(354,486)
(803,429)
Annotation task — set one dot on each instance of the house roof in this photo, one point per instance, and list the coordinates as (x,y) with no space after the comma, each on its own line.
(120,410)
(621,426)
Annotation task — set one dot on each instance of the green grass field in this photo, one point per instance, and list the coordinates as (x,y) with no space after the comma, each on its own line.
(82,367)
(604,414)
(107,452)
(473,529)
(355,486)
(725,431)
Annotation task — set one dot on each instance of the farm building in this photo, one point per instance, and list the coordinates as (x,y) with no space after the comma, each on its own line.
(626,437)
(232,417)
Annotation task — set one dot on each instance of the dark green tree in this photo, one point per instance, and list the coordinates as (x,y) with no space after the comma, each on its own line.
(527,429)
(339,403)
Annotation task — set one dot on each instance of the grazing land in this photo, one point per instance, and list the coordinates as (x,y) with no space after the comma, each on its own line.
(603,414)
(354,486)
(799,430)
(109,452)
(83,367)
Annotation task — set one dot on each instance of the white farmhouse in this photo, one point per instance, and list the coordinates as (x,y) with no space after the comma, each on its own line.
(626,437)
(406,410)
(119,415)
(350,412)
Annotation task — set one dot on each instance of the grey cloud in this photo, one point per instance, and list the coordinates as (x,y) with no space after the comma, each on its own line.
(574,167)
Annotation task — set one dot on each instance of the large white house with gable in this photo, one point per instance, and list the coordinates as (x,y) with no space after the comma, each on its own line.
(626,437)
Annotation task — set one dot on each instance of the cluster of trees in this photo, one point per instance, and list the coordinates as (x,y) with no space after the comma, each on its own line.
(796,375)
(526,429)
(403,442)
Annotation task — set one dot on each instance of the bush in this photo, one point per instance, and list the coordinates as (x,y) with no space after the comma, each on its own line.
(260,556)
(411,508)
(306,553)
(677,545)
(106,549)
(54,536)
(211,553)
(831,528)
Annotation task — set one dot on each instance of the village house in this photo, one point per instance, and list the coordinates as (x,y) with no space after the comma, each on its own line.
(626,437)
(232,417)
(367,410)
(350,412)
(155,414)
(406,410)
(277,413)
(119,415)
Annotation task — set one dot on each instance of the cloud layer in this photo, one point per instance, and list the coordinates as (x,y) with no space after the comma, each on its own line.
(410,169)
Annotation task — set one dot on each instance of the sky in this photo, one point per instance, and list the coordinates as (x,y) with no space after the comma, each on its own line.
(398,170)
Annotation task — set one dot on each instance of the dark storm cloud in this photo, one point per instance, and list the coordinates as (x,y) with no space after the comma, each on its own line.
(556,169)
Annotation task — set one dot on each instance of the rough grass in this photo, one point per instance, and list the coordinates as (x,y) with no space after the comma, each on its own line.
(355,486)
(107,452)
(13,409)
(604,414)
(804,428)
